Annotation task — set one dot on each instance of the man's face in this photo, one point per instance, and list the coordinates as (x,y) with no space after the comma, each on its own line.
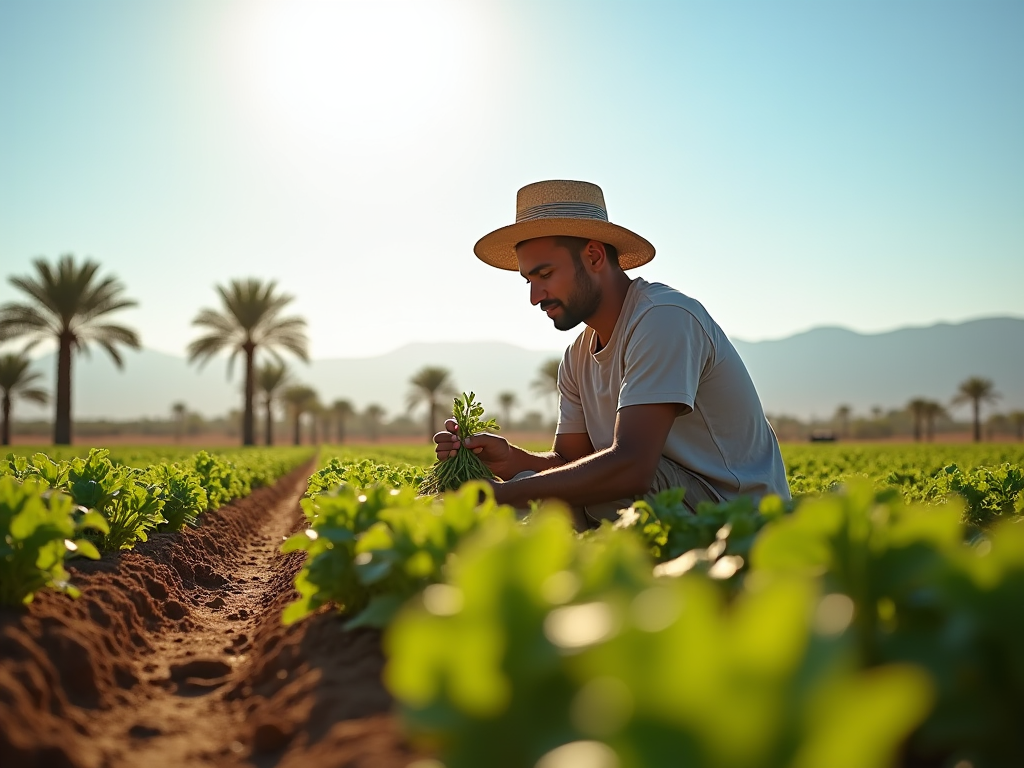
(559,283)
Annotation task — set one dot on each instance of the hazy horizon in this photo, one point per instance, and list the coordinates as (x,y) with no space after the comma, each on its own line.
(802,375)
(42,349)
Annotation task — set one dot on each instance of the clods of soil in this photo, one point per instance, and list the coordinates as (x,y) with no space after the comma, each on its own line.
(175,656)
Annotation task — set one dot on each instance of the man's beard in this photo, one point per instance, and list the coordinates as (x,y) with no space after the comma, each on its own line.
(581,304)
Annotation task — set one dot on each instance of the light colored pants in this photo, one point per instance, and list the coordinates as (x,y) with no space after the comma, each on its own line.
(668,475)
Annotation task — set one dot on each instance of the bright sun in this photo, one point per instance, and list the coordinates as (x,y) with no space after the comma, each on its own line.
(367,71)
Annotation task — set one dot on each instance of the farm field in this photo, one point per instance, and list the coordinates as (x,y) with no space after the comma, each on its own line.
(177,651)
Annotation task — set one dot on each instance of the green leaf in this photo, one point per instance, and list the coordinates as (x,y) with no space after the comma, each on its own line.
(86,548)
(378,614)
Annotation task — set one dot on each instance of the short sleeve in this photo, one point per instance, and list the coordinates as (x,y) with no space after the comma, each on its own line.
(665,357)
(570,406)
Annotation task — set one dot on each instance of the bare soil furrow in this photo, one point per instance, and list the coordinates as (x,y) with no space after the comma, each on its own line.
(175,655)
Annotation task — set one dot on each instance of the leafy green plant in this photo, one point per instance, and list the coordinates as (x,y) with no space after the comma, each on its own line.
(544,649)
(182,493)
(913,592)
(38,531)
(670,529)
(990,493)
(449,474)
(362,474)
(369,550)
(163,496)
(130,508)
(221,479)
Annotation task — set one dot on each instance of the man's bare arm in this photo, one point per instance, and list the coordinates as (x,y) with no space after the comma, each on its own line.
(624,470)
(506,460)
(566,448)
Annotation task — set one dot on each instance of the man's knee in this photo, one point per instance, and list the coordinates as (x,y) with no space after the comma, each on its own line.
(673,475)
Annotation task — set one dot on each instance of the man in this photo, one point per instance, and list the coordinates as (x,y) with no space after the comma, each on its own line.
(652,394)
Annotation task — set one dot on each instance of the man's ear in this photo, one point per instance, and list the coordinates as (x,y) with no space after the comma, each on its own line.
(594,255)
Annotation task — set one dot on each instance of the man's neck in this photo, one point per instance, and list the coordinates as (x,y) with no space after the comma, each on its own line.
(607,314)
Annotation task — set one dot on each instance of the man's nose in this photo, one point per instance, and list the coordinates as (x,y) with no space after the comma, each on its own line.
(536,294)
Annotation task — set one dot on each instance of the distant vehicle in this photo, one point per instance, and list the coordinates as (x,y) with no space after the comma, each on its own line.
(823,436)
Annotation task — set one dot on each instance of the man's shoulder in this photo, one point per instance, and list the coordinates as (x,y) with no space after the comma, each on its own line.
(656,295)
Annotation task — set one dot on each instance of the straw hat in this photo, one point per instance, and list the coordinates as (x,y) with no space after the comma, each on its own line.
(555,208)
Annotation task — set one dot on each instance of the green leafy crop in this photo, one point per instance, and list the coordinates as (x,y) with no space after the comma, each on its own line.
(182,493)
(449,474)
(38,531)
(916,593)
(222,479)
(130,507)
(362,474)
(369,550)
(135,501)
(544,649)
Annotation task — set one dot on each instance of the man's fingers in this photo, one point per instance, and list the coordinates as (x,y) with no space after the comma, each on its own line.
(444,438)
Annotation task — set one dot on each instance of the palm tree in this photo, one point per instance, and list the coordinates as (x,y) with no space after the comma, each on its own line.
(427,385)
(1017,419)
(546,383)
(917,407)
(300,399)
(932,411)
(343,411)
(373,414)
(996,423)
(316,413)
(250,320)
(843,417)
(976,391)
(179,410)
(68,304)
(16,380)
(270,377)
(508,401)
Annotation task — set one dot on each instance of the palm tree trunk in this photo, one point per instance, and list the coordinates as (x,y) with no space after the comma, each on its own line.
(977,420)
(6,428)
(248,436)
(268,431)
(917,428)
(431,418)
(62,419)
(297,435)
(341,429)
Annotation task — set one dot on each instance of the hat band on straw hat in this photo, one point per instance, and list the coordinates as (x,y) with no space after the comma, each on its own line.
(562,210)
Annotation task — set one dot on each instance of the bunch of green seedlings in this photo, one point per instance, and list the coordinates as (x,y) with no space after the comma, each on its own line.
(449,474)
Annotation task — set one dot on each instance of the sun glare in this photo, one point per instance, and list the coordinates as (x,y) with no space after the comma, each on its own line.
(368,71)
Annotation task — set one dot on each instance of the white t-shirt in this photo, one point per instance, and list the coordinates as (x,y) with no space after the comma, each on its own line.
(665,348)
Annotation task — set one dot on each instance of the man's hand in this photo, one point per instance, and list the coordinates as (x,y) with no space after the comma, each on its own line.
(492,449)
(623,470)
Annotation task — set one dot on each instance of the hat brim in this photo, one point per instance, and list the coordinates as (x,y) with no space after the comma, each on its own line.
(499,247)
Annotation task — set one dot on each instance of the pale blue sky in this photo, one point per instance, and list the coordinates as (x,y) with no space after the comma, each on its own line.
(796,164)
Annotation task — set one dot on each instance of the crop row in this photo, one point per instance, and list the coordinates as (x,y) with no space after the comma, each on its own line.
(83,506)
(845,628)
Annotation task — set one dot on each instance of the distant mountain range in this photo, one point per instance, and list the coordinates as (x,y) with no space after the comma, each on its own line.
(808,374)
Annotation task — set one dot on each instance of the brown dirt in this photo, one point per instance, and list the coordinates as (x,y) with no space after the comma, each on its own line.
(175,656)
